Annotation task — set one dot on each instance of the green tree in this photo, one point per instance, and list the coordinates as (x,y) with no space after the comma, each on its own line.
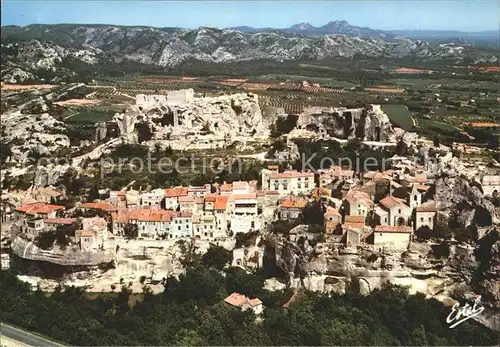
(131,231)
(217,257)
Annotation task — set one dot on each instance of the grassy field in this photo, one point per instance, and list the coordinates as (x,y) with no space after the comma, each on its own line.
(89,116)
(325,81)
(399,115)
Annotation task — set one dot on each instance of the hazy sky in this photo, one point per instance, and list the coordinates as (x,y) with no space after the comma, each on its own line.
(422,14)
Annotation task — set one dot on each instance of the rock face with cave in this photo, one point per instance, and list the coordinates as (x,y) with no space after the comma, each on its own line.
(369,124)
(180,116)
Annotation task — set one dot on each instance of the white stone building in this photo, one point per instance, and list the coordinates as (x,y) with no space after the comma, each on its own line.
(425,215)
(357,203)
(398,212)
(387,235)
(288,182)
(152,199)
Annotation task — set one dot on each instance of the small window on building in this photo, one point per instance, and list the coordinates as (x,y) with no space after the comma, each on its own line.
(399,211)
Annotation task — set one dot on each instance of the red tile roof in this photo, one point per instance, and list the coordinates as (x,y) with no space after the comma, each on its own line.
(391,201)
(393,229)
(427,207)
(210,197)
(186,199)
(331,211)
(357,196)
(221,202)
(101,205)
(237,299)
(147,215)
(38,208)
(176,192)
(226,187)
(355,219)
(295,202)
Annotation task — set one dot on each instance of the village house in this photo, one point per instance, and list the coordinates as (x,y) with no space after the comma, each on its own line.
(244,212)
(119,220)
(267,203)
(187,204)
(87,239)
(38,209)
(98,206)
(152,199)
(172,196)
(291,208)
(376,176)
(387,235)
(53,223)
(425,215)
(181,225)
(220,213)
(322,194)
(248,257)
(151,223)
(48,195)
(209,203)
(357,203)
(205,227)
(332,220)
(407,181)
(225,189)
(199,191)
(244,303)
(97,224)
(398,213)
(117,198)
(288,182)
(334,174)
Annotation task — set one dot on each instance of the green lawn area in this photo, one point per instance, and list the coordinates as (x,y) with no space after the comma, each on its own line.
(89,116)
(399,115)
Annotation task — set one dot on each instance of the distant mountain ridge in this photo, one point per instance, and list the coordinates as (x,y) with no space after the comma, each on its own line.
(38,47)
(337,27)
(487,38)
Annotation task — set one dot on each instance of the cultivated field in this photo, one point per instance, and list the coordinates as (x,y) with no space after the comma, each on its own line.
(399,115)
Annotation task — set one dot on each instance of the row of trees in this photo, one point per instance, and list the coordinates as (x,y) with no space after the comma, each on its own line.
(191,311)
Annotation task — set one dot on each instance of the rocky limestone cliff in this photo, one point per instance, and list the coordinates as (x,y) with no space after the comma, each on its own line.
(370,124)
(464,203)
(222,117)
(444,271)
(71,256)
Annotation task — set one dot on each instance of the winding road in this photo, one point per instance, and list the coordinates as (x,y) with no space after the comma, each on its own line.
(16,337)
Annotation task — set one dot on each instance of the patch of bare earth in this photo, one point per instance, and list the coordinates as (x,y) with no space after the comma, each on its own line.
(78,102)
(408,70)
(9,86)
(385,90)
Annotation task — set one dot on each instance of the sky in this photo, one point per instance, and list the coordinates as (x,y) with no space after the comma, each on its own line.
(384,15)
